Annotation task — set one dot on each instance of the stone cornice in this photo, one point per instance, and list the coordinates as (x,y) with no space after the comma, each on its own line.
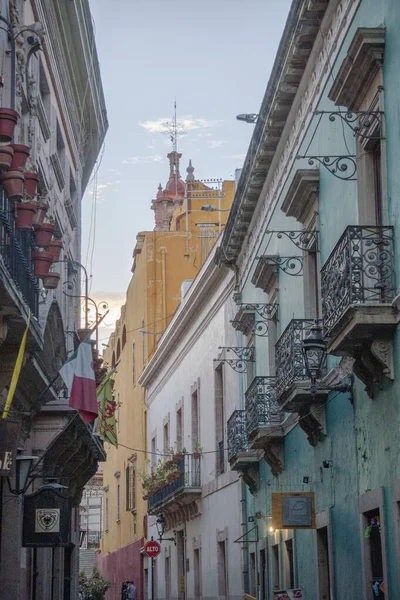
(338,14)
(302,194)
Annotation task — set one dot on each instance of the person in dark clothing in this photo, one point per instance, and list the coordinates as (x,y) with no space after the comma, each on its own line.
(124,591)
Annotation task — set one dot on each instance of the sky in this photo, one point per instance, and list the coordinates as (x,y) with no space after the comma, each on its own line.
(214,57)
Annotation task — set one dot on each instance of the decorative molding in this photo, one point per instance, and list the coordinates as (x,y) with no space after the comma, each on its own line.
(337,374)
(274,456)
(58,172)
(382,350)
(313,423)
(358,70)
(42,117)
(302,194)
(181,513)
(265,274)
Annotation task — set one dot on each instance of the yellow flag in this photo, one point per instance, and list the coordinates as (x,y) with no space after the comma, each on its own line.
(17,369)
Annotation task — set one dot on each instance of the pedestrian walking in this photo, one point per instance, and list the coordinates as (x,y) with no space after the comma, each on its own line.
(131,590)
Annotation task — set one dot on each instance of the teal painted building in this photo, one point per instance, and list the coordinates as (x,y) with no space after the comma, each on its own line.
(314,234)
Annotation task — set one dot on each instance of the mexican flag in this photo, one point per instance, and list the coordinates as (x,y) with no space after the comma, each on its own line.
(78,376)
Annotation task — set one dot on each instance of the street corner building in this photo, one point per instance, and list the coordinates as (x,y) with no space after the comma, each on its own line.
(52,126)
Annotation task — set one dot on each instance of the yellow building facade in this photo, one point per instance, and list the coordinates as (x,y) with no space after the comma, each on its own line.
(188,218)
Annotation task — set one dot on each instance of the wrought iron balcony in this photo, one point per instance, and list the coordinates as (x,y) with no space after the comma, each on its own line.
(181,491)
(241,457)
(359,272)
(262,410)
(292,381)
(15,255)
(359,303)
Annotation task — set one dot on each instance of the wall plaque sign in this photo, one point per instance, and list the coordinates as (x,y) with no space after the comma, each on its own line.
(293,510)
(47,518)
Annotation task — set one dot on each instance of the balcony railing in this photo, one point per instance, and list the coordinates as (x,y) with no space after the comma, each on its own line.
(289,358)
(93,539)
(359,270)
(189,479)
(262,409)
(15,251)
(237,435)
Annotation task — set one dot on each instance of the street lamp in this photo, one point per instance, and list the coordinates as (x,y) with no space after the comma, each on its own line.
(18,482)
(160,524)
(248,117)
(211,208)
(314,353)
(150,332)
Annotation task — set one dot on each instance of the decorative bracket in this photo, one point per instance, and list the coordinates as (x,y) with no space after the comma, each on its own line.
(305,239)
(241,356)
(363,124)
(251,477)
(312,422)
(274,457)
(292,265)
(342,167)
(253,318)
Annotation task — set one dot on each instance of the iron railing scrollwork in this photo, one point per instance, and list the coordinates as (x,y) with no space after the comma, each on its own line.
(359,270)
(236,357)
(15,250)
(262,409)
(189,469)
(289,359)
(253,318)
(237,434)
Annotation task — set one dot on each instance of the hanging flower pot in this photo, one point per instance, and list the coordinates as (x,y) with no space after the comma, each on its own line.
(8,121)
(42,262)
(41,210)
(31,181)
(13,184)
(43,235)
(6,154)
(55,248)
(21,154)
(51,280)
(24,213)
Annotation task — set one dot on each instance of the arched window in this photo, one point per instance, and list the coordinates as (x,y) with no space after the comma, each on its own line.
(113,360)
(123,337)
(118,349)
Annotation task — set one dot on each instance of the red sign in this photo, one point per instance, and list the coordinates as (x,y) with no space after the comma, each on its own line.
(152,549)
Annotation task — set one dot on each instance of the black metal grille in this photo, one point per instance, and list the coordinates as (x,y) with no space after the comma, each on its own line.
(237,436)
(189,469)
(359,270)
(93,539)
(130,488)
(289,360)
(221,458)
(15,250)
(261,406)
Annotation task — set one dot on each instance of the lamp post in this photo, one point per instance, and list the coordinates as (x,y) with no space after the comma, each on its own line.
(150,332)
(19,482)
(247,117)
(160,524)
(314,353)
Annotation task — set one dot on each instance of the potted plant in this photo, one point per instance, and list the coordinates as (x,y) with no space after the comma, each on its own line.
(44,234)
(95,586)
(31,181)
(197,450)
(42,262)
(51,280)
(8,121)
(24,213)
(21,154)
(41,210)
(13,184)
(55,248)
(6,154)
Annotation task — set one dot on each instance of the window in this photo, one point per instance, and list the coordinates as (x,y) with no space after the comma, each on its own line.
(253,574)
(166,437)
(118,413)
(179,429)
(113,360)
(373,543)
(153,457)
(118,501)
(106,510)
(123,337)
(131,488)
(195,418)
(167,578)
(134,527)
(275,567)
(118,349)
(250,342)
(263,575)
(222,572)
(219,419)
(134,364)
(197,573)
(323,558)
(289,564)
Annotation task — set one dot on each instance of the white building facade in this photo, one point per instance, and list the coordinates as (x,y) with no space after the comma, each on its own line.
(189,395)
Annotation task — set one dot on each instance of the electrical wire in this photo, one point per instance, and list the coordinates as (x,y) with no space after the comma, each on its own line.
(138,328)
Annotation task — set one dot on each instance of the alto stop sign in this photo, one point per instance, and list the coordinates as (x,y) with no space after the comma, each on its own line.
(152,549)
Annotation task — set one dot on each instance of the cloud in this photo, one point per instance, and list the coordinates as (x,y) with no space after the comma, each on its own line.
(202,135)
(238,156)
(184,124)
(102,189)
(216,143)
(134,160)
